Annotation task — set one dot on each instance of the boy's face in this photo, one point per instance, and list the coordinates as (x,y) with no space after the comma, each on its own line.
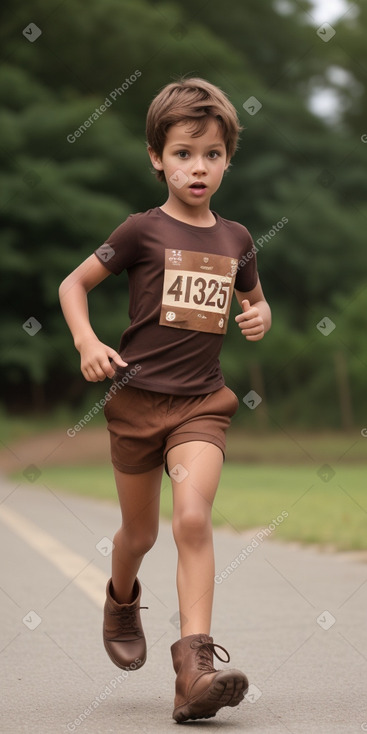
(193,167)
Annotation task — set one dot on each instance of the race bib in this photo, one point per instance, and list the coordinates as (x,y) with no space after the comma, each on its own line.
(197,291)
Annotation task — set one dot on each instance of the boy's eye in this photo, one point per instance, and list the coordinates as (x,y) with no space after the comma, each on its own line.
(183,154)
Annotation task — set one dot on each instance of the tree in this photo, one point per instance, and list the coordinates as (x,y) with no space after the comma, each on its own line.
(74,165)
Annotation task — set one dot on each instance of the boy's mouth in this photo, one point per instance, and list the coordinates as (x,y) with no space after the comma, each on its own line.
(197,185)
(198,188)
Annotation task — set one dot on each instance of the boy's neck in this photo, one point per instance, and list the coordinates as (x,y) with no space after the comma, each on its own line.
(197,216)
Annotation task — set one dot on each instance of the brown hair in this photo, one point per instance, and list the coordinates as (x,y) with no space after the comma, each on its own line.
(195,101)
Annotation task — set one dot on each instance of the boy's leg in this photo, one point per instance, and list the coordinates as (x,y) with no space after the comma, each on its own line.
(123,633)
(193,498)
(139,497)
(201,690)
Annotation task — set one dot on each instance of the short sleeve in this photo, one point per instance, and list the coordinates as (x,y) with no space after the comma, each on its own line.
(121,249)
(247,276)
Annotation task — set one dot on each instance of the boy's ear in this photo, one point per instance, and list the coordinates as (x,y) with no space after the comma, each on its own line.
(155,159)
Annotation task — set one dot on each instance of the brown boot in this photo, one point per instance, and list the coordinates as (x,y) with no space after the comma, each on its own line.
(200,689)
(123,634)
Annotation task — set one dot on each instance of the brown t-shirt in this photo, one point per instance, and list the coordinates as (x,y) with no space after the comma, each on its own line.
(181,280)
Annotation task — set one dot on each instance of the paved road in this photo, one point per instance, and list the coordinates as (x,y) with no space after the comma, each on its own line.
(306,676)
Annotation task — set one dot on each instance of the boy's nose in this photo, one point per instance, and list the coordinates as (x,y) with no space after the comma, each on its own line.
(199,165)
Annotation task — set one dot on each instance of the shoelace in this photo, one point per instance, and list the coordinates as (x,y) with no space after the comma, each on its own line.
(126,619)
(205,650)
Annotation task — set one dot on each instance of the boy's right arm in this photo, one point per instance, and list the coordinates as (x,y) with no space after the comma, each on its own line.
(94,355)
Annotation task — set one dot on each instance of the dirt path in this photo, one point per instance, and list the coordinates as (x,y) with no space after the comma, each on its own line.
(55,448)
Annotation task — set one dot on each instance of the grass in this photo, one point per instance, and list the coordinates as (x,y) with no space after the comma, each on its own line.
(296,447)
(332,513)
(18,427)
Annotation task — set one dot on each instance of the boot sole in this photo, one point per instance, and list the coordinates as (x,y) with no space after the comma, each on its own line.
(227,689)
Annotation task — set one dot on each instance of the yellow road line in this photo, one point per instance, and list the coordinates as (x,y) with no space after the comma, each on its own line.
(87,577)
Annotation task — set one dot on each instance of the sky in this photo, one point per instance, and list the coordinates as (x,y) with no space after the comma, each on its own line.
(328,10)
(325,102)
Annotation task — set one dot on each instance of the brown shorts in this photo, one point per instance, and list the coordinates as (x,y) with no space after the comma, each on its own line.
(144,425)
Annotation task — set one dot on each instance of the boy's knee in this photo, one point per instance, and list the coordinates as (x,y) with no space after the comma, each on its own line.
(138,545)
(191,527)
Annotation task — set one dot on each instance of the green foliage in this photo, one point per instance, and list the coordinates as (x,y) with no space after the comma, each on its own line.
(63,191)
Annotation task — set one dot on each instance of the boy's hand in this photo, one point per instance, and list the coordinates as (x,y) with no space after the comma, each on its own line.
(95,364)
(251,322)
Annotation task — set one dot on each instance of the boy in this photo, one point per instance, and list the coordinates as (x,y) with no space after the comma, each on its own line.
(173,409)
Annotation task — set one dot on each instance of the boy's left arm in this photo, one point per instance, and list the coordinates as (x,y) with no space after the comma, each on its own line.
(255,319)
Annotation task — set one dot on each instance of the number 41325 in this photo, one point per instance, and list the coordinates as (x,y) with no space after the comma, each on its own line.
(201,291)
